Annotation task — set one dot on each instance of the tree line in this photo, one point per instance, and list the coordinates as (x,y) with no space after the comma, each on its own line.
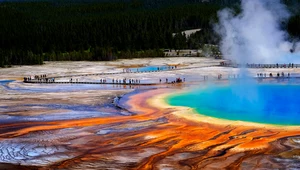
(32,32)
(37,31)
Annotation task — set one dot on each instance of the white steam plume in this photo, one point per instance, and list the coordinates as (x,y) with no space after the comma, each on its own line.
(254,35)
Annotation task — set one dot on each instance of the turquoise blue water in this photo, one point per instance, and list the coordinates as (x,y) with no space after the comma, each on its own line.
(268,103)
(149,68)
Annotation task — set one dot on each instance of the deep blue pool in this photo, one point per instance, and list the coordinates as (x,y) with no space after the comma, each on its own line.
(261,103)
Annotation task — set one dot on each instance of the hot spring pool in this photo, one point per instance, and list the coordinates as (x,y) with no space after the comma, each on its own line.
(150,68)
(268,103)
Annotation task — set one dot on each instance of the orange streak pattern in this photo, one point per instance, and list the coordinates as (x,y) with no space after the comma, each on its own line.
(155,138)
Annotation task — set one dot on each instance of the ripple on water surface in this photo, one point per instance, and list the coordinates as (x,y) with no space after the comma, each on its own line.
(264,103)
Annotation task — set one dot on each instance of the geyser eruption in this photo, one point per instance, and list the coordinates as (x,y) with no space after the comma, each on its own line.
(255,34)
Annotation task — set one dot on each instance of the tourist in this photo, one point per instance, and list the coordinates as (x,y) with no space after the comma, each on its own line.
(220,77)
(178,80)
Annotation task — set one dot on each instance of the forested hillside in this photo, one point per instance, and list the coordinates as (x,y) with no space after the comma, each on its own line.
(35,31)
(32,32)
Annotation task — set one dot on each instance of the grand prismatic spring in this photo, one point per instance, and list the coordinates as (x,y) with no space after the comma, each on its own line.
(267,106)
(103,126)
(193,113)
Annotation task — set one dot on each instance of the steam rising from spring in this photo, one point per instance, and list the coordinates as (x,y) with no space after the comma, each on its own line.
(255,34)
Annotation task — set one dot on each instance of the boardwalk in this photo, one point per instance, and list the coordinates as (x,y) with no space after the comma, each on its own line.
(68,82)
(52,79)
(289,65)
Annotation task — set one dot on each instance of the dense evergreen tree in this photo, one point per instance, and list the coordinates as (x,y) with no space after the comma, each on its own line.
(294,26)
(31,32)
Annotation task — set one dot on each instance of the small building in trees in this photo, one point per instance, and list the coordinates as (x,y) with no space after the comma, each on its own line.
(187,33)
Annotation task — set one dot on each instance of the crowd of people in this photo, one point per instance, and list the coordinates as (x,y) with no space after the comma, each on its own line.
(177,80)
(232,64)
(39,78)
(290,65)
(282,74)
(125,81)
